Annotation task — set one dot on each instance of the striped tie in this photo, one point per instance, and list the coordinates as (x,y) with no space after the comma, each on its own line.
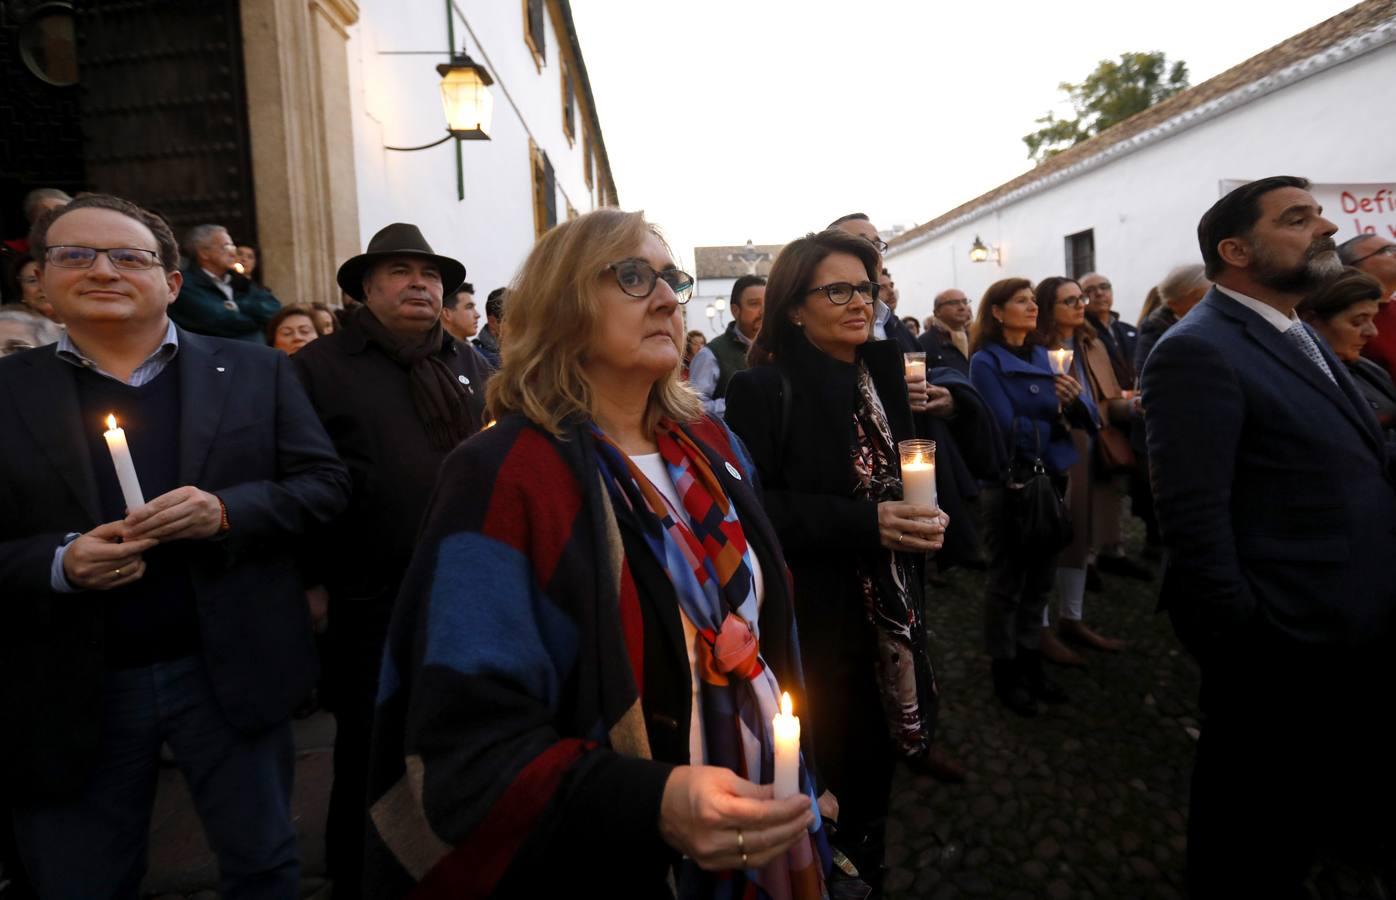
(1299,335)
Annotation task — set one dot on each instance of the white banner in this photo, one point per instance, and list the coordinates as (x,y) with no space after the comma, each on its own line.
(1354,208)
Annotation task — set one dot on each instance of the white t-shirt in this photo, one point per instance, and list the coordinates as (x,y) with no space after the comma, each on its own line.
(653,468)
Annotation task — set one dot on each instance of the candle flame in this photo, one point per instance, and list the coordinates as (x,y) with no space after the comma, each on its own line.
(111,423)
(785,704)
(239,268)
(918,460)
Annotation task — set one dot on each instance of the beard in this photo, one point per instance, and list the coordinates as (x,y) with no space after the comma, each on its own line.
(1320,266)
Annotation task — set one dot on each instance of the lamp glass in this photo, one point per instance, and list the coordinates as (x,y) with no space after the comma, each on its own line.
(978,252)
(468,103)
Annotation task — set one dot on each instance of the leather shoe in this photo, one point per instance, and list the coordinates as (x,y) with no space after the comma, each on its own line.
(1081,633)
(1123,565)
(1054,651)
(940,765)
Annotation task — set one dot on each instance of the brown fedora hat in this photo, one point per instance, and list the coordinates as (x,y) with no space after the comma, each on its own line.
(397,239)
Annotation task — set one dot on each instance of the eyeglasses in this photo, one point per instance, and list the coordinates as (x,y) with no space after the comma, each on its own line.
(840,292)
(132,258)
(1072,302)
(1388,250)
(879,243)
(1099,287)
(638,278)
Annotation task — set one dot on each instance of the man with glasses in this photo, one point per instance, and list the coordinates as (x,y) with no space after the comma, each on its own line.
(157,599)
(946,338)
(215,299)
(725,355)
(1376,256)
(1118,336)
(397,393)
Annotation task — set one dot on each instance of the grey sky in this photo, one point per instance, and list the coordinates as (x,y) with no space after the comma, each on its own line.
(763,119)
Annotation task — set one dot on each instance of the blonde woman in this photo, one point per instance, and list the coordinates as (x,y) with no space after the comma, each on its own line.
(596,628)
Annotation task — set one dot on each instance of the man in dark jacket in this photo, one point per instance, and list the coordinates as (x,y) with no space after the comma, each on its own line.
(396,394)
(725,355)
(946,338)
(216,299)
(151,586)
(1117,335)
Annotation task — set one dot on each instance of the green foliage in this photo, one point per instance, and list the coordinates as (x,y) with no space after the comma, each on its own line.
(1112,93)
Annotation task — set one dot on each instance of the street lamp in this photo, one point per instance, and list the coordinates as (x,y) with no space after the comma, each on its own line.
(466,100)
(979,252)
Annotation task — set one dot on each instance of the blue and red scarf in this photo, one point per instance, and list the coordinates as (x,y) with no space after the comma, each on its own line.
(710,564)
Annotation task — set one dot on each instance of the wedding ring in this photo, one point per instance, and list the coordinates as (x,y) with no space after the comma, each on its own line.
(741,844)
(900,537)
(118,573)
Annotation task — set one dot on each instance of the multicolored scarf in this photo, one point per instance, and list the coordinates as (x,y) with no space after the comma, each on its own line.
(710,565)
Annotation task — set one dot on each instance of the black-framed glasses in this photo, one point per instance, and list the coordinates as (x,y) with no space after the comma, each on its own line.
(1073,302)
(1388,250)
(1099,287)
(72,257)
(879,243)
(840,292)
(637,279)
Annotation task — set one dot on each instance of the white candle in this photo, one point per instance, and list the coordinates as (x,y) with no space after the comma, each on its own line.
(1061,360)
(125,469)
(919,482)
(915,365)
(786,728)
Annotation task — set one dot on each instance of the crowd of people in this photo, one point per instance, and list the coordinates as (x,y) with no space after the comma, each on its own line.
(566,578)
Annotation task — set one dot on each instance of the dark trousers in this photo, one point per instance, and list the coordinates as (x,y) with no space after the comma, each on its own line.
(353,658)
(1294,759)
(1019,581)
(94,845)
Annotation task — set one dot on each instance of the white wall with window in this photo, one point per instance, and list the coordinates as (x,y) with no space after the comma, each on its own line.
(537,168)
(1141,208)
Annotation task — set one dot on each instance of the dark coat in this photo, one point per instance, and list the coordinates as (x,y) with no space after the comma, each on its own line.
(897,331)
(247,434)
(364,399)
(941,351)
(1023,399)
(1380,393)
(1271,488)
(968,451)
(203,309)
(1120,339)
(808,482)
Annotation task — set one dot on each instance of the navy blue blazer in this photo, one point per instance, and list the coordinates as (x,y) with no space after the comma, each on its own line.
(1026,392)
(247,433)
(1271,487)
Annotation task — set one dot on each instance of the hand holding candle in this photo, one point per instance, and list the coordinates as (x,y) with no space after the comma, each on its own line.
(914,366)
(1061,360)
(919,472)
(786,728)
(125,468)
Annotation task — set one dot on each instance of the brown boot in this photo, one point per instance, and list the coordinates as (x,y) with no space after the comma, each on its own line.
(1054,651)
(1081,633)
(940,765)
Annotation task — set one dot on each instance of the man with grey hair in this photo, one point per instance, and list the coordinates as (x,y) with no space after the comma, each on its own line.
(215,299)
(1181,290)
(22,330)
(1375,255)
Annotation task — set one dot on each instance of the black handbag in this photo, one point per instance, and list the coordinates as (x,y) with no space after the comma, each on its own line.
(1036,515)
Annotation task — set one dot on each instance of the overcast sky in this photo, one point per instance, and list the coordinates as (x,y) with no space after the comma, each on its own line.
(764,119)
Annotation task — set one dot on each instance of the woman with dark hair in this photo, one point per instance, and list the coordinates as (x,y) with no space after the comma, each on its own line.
(325,320)
(1343,313)
(292,328)
(694,342)
(1013,374)
(822,411)
(1091,496)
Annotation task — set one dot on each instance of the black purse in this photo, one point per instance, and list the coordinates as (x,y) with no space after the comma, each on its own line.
(1036,515)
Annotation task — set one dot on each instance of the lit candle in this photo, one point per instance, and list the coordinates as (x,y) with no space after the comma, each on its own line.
(919,472)
(787,732)
(125,469)
(1061,360)
(239,268)
(915,365)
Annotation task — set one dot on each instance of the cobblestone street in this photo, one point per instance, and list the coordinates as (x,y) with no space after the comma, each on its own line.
(1089,799)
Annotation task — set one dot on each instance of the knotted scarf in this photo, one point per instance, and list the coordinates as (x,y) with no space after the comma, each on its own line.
(440,400)
(710,565)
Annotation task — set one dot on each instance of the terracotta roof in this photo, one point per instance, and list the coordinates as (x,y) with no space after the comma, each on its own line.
(1352,22)
(717,262)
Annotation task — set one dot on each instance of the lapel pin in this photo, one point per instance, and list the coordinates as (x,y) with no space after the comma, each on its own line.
(732,470)
(221,369)
(462,379)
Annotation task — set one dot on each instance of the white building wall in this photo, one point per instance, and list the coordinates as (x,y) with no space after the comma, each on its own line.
(1144,206)
(396,100)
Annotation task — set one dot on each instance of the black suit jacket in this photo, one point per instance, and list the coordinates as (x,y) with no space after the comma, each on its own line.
(1271,486)
(941,352)
(248,434)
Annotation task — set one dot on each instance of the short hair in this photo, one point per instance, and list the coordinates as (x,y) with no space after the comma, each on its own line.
(1347,250)
(912,323)
(38,196)
(555,309)
(166,247)
(1235,215)
(788,285)
(196,237)
(851,217)
(452,300)
(941,299)
(42,330)
(286,312)
(1352,287)
(1045,296)
(988,330)
(494,304)
(741,284)
(1181,281)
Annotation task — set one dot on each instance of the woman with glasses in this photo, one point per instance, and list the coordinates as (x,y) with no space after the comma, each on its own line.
(1092,495)
(596,629)
(1013,373)
(822,411)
